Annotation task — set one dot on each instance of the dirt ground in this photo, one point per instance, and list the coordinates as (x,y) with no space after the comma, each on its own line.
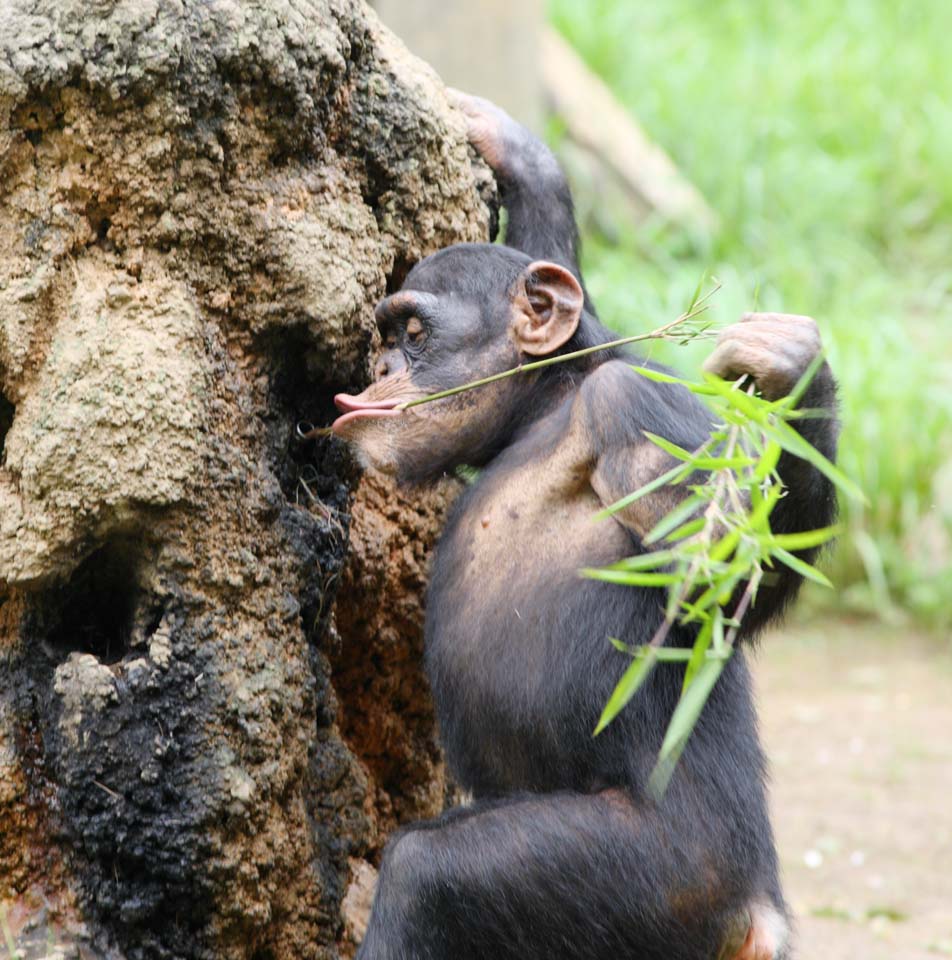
(857,721)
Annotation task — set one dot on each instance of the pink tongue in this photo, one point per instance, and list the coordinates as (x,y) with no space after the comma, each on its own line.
(346,403)
(363,413)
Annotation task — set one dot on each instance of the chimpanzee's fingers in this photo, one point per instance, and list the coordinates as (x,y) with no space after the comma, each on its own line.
(774,372)
(732,358)
(480,111)
(459,98)
(789,318)
(777,332)
(796,338)
(485,127)
(467,102)
(774,335)
(474,106)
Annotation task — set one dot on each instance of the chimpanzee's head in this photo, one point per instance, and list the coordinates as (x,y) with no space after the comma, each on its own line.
(464,313)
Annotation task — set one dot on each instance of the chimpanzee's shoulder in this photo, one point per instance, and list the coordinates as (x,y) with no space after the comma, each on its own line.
(621,404)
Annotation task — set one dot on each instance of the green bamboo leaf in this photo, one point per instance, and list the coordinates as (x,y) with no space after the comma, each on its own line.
(721,589)
(752,407)
(759,517)
(755,492)
(683,721)
(672,519)
(690,547)
(697,293)
(806,413)
(717,632)
(698,609)
(796,394)
(671,654)
(717,594)
(727,590)
(696,333)
(626,688)
(801,567)
(626,501)
(670,447)
(768,461)
(683,654)
(701,389)
(644,561)
(686,530)
(658,376)
(722,463)
(724,547)
(806,538)
(734,418)
(792,442)
(618,645)
(698,652)
(703,578)
(691,613)
(630,578)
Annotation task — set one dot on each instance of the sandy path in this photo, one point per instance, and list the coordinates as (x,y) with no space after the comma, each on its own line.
(857,720)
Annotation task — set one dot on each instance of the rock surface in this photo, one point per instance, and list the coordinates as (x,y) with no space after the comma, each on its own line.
(199,205)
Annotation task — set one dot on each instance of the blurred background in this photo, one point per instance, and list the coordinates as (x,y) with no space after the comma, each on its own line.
(799,152)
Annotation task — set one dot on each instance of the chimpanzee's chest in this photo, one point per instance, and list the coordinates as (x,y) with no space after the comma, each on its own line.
(510,622)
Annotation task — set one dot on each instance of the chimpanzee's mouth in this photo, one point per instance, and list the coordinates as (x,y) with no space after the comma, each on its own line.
(354,409)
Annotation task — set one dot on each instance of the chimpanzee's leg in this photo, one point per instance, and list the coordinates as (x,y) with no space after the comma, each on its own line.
(555,876)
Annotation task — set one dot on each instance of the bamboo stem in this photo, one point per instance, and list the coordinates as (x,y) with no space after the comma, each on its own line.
(660,333)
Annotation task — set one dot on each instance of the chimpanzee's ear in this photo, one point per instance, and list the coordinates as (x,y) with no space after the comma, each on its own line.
(547,307)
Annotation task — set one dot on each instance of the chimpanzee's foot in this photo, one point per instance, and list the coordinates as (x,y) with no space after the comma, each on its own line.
(760,934)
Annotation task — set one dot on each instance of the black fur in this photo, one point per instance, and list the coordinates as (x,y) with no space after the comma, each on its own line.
(562,853)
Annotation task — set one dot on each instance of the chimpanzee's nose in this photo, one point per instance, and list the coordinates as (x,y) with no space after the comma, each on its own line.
(389,363)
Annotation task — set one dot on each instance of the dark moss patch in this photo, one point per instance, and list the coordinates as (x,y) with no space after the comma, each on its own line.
(7,413)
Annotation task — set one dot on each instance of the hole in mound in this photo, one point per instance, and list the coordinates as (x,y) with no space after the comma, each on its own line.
(313,469)
(100,216)
(100,609)
(7,413)
(401,267)
(315,474)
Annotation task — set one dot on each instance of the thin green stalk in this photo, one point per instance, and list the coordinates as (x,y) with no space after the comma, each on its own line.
(660,333)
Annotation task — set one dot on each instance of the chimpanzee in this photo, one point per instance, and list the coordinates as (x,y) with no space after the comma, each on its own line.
(563,852)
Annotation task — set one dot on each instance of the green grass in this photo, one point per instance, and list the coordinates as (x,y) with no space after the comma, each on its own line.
(822,136)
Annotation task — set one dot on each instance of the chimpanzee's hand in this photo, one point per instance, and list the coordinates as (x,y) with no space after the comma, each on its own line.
(512,151)
(773,348)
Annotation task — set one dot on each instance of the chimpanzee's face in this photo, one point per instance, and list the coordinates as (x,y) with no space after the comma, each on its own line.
(464,313)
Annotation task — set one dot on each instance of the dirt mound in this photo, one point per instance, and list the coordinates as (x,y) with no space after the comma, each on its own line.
(198,207)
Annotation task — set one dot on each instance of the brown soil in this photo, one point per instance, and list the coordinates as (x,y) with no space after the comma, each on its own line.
(199,206)
(857,720)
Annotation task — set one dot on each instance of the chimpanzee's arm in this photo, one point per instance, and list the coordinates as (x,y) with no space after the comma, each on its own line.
(533,188)
(541,215)
(776,349)
(810,499)
(619,407)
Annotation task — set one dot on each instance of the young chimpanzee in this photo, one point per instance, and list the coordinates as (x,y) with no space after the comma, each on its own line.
(563,853)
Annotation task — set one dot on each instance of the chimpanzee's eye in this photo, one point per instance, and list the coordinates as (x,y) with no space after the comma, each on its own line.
(416,332)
